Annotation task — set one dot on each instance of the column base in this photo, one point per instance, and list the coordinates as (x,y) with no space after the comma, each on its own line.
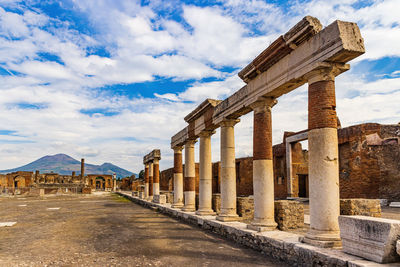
(188,209)
(205,212)
(177,206)
(228,218)
(262,226)
(149,198)
(322,239)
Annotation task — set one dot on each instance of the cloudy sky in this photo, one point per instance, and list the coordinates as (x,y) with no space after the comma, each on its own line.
(109,80)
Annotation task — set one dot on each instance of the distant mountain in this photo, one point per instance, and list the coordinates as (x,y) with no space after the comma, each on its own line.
(65,165)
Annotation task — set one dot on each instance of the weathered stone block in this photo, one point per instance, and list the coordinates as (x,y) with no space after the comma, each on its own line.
(160,199)
(359,206)
(289,214)
(86,190)
(245,207)
(216,202)
(371,238)
(141,195)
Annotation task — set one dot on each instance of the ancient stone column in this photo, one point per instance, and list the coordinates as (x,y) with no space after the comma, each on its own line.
(150,181)
(156,177)
(146,181)
(228,172)
(205,173)
(37,176)
(178,178)
(323,161)
(189,189)
(263,173)
(83,179)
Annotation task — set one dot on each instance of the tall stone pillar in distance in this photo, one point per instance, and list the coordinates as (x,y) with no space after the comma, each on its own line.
(146,181)
(178,178)
(263,173)
(156,177)
(150,181)
(190,177)
(323,161)
(228,173)
(205,173)
(83,179)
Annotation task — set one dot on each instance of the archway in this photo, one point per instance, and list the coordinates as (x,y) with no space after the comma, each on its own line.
(100,183)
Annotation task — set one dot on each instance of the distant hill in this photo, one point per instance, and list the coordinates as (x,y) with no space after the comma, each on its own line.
(64,164)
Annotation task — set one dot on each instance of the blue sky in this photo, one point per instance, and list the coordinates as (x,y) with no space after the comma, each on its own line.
(110,80)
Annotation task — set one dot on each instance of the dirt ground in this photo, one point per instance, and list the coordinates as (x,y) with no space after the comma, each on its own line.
(108,230)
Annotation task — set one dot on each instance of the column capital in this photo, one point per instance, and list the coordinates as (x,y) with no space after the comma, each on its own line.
(146,165)
(155,161)
(229,122)
(328,72)
(178,149)
(206,133)
(190,142)
(263,104)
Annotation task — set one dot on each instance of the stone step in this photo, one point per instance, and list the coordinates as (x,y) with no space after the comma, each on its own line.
(394,204)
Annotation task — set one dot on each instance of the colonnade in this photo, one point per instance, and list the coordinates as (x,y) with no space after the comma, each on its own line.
(323,165)
(151,174)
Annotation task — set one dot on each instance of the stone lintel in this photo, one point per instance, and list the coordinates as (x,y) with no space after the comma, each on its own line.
(201,109)
(153,155)
(281,47)
(180,138)
(332,47)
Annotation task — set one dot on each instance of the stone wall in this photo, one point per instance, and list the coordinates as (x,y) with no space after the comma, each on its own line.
(365,207)
(245,207)
(289,214)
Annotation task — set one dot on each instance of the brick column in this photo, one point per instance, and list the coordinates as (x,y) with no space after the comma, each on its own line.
(146,181)
(228,173)
(190,177)
(263,173)
(205,173)
(150,198)
(83,179)
(178,178)
(156,177)
(323,161)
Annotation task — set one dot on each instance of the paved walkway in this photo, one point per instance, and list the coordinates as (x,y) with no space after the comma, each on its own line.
(107,230)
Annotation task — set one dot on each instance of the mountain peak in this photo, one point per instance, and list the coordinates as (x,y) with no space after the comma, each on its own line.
(64,164)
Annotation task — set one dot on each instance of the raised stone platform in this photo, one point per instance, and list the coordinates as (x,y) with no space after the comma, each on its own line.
(281,245)
(160,199)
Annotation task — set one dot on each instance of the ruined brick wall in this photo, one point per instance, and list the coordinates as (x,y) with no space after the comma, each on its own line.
(167,180)
(369,161)
(359,206)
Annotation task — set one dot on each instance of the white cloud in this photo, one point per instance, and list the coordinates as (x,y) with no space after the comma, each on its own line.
(144,44)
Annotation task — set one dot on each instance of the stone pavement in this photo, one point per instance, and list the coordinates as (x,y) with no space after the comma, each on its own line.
(108,230)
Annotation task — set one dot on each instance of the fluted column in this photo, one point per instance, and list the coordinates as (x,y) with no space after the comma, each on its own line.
(150,198)
(263,173)
(156,177)
(178,178)
(228,172)
(323,161)
(190,177)
(205,173)
(146,181)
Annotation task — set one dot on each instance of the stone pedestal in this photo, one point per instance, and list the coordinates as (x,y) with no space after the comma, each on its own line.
(263,173)
(178,178)
(323,161)
(228,173)
(205,173)
(190,180)
(160,199)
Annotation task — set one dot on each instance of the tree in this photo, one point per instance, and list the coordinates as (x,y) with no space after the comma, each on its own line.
(141,174)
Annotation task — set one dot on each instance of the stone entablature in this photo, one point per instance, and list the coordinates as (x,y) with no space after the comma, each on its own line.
(155,154)
(337,44)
